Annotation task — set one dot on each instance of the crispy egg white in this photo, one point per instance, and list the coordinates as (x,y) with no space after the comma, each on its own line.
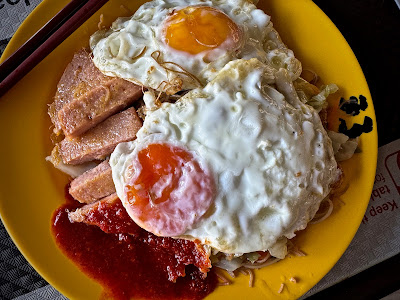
(154,49)
(271,161)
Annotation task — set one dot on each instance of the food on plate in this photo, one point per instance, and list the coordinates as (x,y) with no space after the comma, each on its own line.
(128,261)
(86,212)
(85,97)
(270,164)
(172,45)
(93,185)
(100,141)
(91,214)
(83,113)
(192,138)
(343,146)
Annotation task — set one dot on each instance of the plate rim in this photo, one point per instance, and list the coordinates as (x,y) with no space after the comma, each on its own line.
(19,36)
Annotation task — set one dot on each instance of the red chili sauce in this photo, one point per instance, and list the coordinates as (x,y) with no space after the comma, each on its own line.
(129,261)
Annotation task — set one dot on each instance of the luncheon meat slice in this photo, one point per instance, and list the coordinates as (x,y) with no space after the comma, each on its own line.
(85,112)
(108,214)
(79,77)
(100,141)
(83,85)
(94,184)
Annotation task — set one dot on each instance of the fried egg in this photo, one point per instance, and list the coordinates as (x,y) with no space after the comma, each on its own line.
(232,165)
(170,45)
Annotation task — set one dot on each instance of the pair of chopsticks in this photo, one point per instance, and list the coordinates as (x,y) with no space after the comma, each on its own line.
(53,33)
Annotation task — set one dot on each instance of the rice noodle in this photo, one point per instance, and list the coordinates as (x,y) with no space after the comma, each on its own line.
(250,273)
(294,250)
(297,252)
(167,65)
(339,192)
(322,216)
(310,76)
(268,262)
(100,25)
(140,54)
(263,260)
(225,281)
(231,273)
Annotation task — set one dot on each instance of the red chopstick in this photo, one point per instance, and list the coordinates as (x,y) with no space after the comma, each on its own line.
(61,26)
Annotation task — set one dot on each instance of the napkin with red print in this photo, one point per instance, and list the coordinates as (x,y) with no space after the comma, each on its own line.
(378,237)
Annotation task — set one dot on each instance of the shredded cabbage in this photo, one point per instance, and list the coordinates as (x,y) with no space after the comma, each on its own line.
(229,265)
(343,147)
(319,101)
(252,257)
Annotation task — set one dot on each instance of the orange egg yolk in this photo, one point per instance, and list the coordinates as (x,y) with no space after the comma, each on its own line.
(157,161)
(197,29)
(169,191)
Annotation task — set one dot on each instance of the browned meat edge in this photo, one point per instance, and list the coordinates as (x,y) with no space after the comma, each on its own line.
(100,141)
(79,215)
(83,113)
(79,77)
(94,184)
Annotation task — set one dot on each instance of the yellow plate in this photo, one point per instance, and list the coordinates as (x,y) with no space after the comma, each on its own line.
(31,189)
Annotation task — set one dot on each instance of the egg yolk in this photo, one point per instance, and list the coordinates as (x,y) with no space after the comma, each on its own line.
(197,29)
(169,191)
(158,161)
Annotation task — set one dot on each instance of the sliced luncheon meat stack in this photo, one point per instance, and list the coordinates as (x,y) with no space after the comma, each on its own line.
(86,97)
(98,142)
(93,185)
(93,113)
